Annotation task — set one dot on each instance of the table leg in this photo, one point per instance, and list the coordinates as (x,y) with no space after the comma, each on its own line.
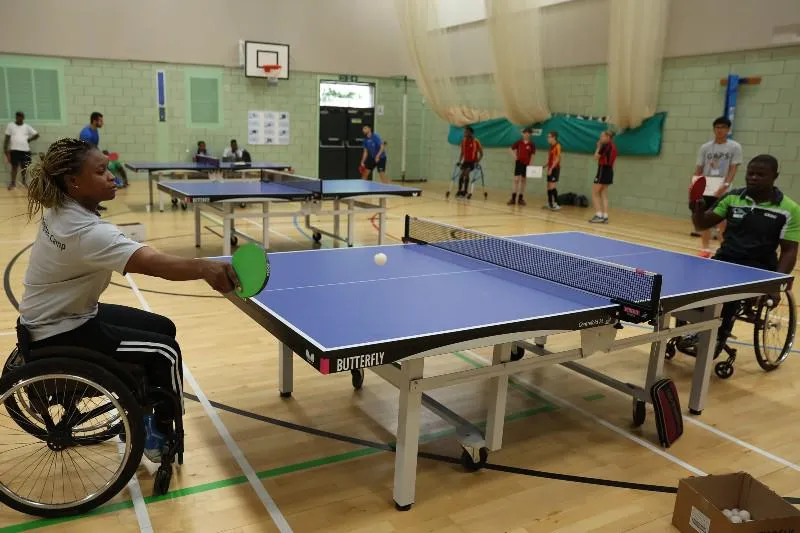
(706,341)
(227,227)
(655,366)
(285,371)
(498,393)
(160,196)
(382,221)
(405,461)
(265,224)
(336,219)
(197,225)
(150,189)
(350,222)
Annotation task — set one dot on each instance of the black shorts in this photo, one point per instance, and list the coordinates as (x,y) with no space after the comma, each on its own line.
(370,163)
(520,169)
(553,176)
(20,159)
(468,165)
(604,176)
(132,336)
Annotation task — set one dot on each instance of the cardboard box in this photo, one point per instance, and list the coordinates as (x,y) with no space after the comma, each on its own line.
(133,230)
(701,500)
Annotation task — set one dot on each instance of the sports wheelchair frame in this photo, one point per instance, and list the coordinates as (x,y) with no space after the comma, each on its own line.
(474,175)
(773,335)
(72,429)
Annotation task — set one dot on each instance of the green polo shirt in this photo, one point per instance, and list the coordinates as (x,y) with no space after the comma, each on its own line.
(754,231)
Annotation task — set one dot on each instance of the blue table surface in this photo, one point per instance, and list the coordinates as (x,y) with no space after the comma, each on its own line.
(260,188)
(340,298)
(191,165)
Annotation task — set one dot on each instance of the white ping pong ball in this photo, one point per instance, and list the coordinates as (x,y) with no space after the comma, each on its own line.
(380,259)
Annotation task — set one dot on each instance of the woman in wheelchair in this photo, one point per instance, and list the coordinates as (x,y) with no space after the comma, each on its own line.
(760,220)
(71,263)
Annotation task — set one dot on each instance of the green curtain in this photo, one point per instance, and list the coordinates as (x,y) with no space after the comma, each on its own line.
(575,134)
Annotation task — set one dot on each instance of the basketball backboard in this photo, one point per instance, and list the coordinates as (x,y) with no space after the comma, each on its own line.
(257,54)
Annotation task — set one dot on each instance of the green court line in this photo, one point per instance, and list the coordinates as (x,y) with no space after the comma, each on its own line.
(593,397)
(238,480)
(516,386)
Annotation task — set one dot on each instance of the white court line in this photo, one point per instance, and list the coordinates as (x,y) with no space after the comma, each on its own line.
(722,434)
(253,222)
(139,507)
(564,403)
(7,333)
(236,452)
(744,444)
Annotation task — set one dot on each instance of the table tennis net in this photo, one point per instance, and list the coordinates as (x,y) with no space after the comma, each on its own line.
(619,283)
(312,185)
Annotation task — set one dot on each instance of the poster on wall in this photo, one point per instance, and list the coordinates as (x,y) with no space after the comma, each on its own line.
(268,127)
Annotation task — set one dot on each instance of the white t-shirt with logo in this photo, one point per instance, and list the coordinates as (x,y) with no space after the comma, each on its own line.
(72,259)
(716,159)
(19,135)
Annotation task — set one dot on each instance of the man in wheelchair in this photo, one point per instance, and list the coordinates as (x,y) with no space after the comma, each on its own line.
(760,220)
(71,263)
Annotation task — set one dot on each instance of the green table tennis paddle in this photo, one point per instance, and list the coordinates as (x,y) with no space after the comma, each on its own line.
(252,268)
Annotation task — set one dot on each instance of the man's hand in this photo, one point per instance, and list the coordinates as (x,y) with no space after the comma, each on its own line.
(221,276)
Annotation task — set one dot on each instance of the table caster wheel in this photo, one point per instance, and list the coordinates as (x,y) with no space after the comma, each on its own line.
(317,236)
(723,369)
(161,482)
(469,463)
(402,507)
(670,350)
(234,240)
(184,206)
(357,378)
(639,412)
(469,196)
(447,194)
(517,353)
(486,196)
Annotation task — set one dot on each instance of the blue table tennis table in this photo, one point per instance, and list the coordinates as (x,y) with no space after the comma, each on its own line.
(449,288)
(204,166)
(347,196)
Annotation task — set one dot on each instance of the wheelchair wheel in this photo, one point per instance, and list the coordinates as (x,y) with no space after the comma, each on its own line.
(60,467)
(773,334)
(26,417)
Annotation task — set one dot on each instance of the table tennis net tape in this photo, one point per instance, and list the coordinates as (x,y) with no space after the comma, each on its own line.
(612,281)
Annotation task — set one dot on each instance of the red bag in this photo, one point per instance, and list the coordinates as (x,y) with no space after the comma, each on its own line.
(667,407)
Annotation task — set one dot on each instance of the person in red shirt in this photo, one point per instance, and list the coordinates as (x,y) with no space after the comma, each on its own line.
(553,170)
(471,155)
(523,151)
(606,155)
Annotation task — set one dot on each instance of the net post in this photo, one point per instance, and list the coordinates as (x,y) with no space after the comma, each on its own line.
(407,229)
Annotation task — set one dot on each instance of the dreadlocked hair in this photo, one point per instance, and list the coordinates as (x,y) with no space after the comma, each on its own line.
(47,187)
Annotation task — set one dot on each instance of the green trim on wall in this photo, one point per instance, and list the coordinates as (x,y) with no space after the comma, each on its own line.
(205,73)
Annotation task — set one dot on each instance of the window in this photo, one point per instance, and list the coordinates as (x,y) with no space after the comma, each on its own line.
(353,95)
(204,98)
(33,86)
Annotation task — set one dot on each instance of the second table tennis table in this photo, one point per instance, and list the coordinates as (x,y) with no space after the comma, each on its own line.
(451,288)
(203,165)
(348,198)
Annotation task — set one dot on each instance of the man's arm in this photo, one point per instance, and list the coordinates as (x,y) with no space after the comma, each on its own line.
(6,143)
(34,134)
(220,275)
(364,156)
(788,257)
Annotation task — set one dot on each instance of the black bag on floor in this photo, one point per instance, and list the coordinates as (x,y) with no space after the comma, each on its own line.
(582,201)
(667,407)
(566,199)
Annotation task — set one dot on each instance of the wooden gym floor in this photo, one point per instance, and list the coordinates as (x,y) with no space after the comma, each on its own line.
(559,422)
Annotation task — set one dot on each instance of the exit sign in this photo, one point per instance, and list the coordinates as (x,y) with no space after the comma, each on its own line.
(347,77)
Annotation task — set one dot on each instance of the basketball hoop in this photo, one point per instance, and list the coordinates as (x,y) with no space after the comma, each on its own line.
(272,72)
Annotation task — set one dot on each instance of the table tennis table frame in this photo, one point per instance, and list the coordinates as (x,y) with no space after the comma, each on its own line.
(407,375)
(226,210)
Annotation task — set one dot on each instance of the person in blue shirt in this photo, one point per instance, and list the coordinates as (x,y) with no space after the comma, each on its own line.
(90,134)
(374,156)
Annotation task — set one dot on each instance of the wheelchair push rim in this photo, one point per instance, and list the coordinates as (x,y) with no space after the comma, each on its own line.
(54,469)
(773,336)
